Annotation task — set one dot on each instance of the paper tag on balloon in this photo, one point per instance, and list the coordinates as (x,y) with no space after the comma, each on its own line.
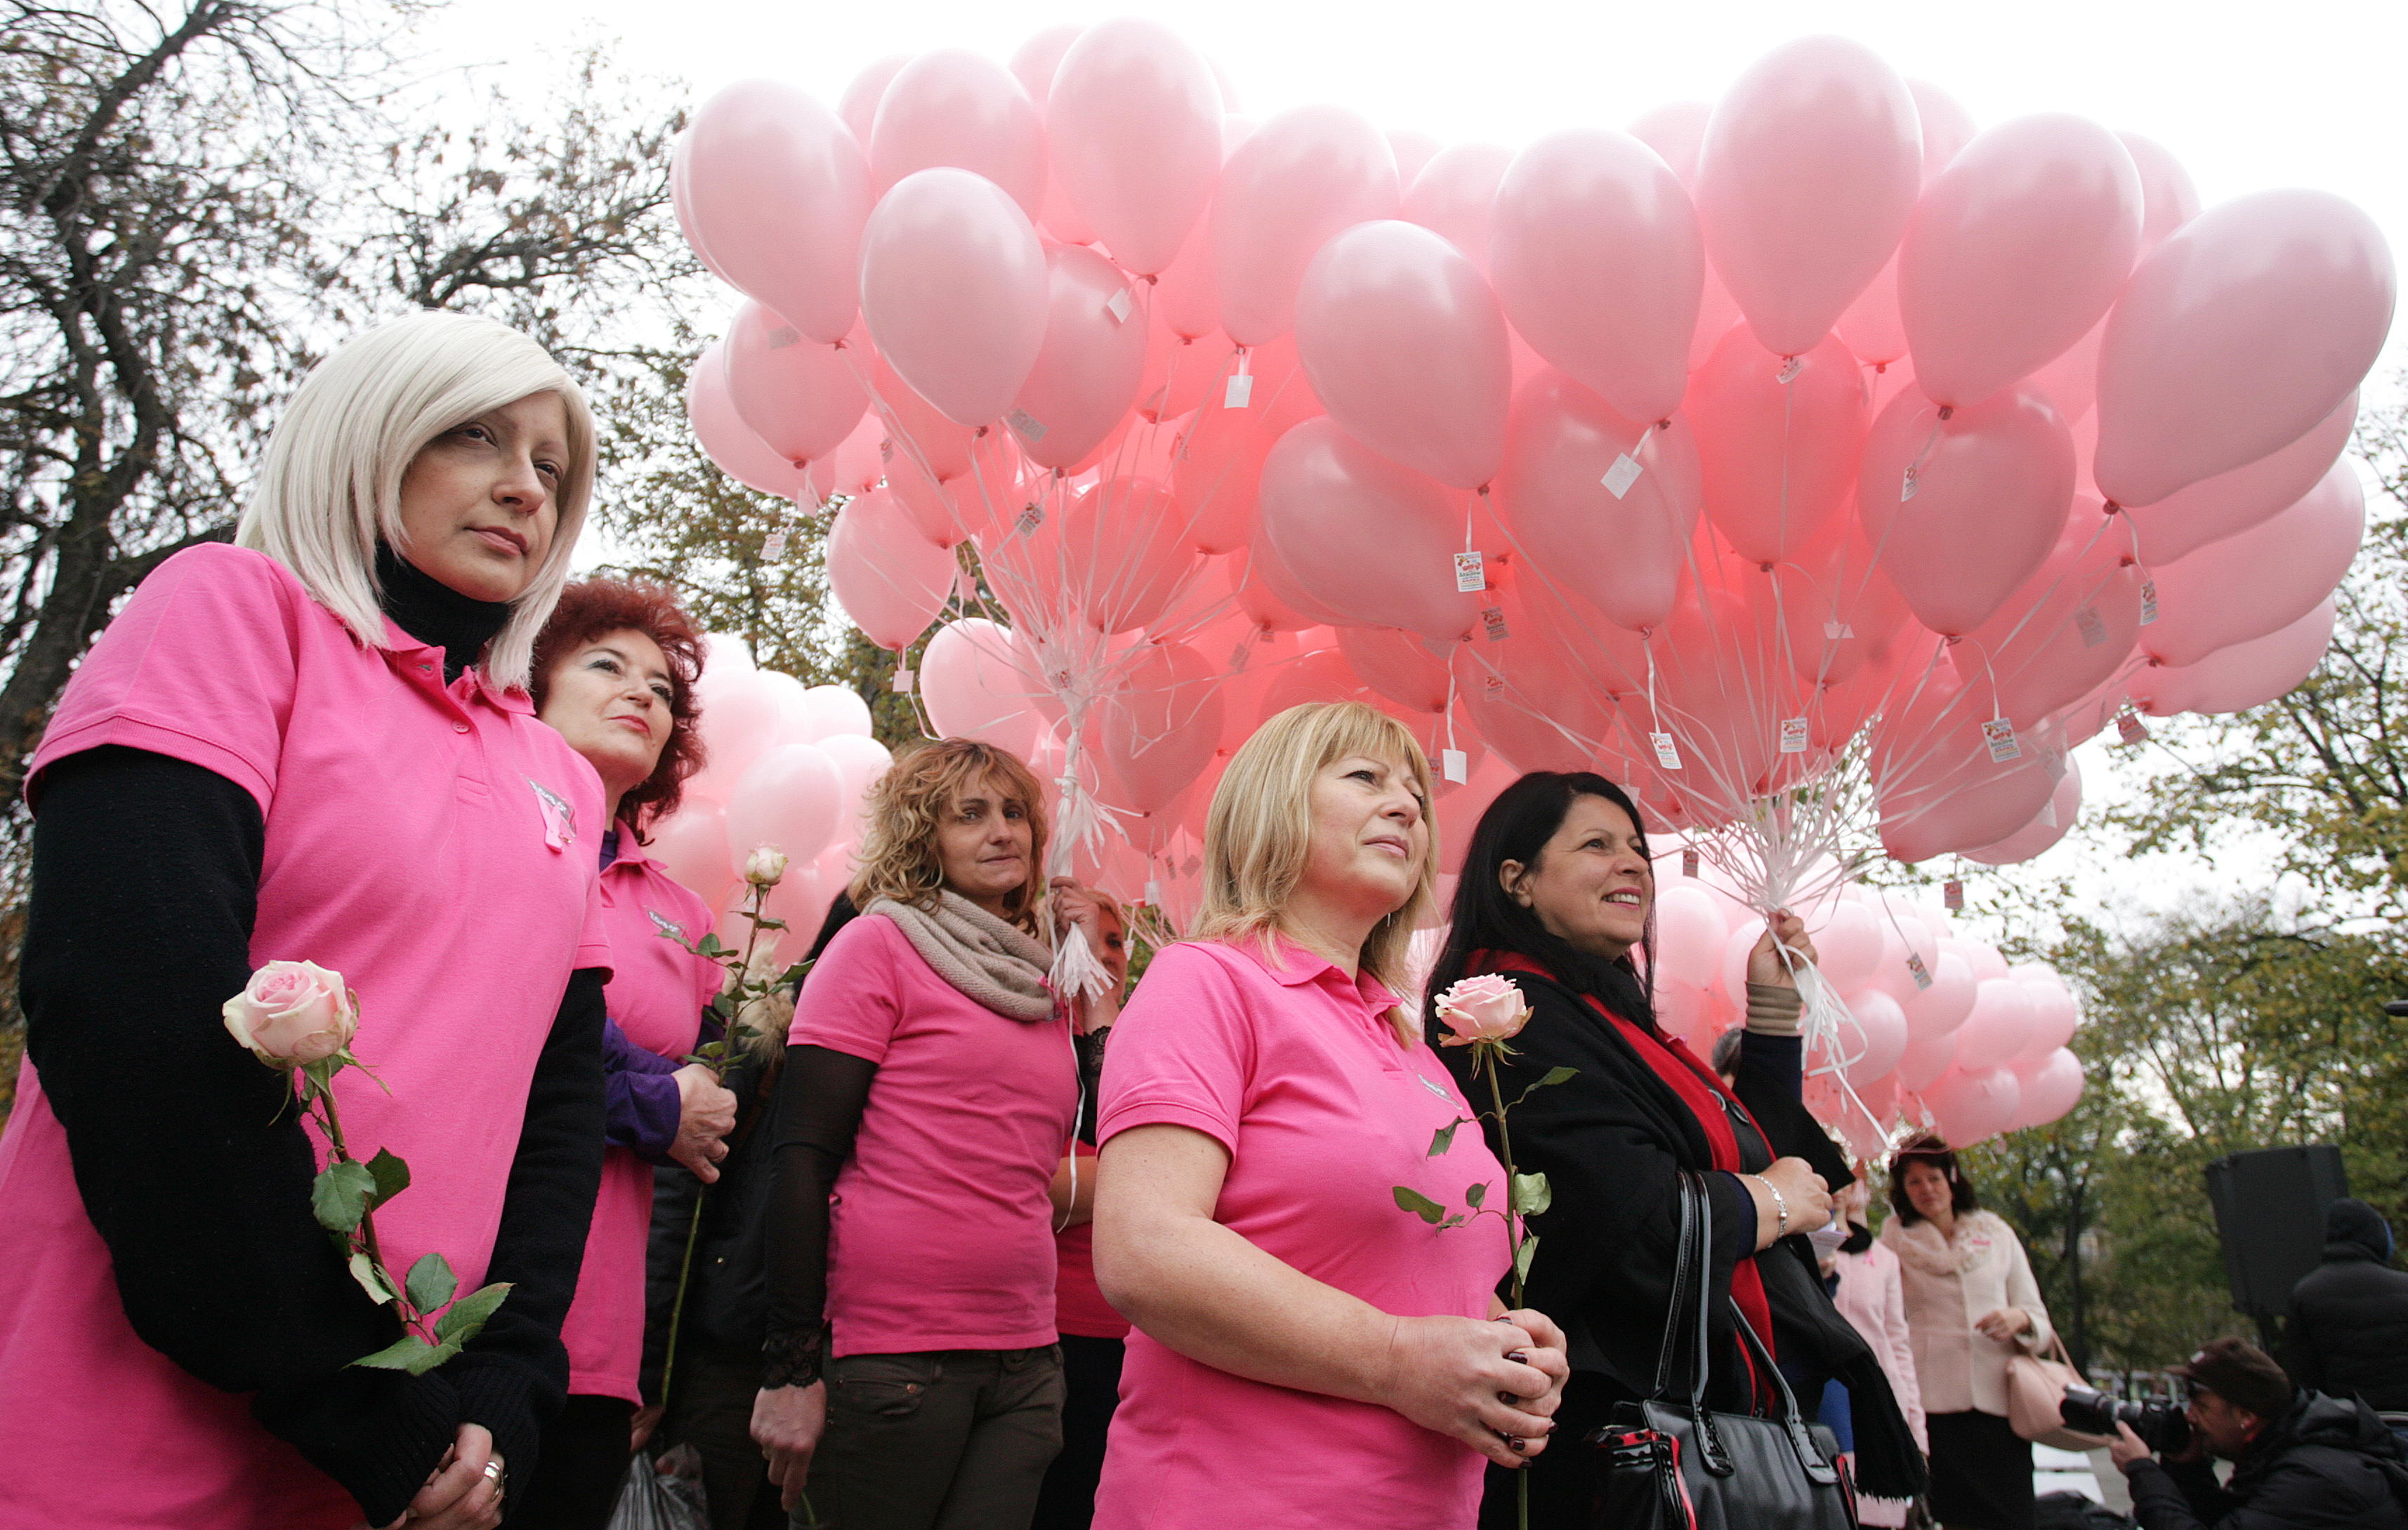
(1668,755)
(2053,762)
(903,679)
(784,335)
(2092,626)
(2047,818)
(1834,632)
(2000,734)
(1688,863)
(886,452)
(1154,892)
(1622,475)
(1493,617)
(1239,393)
(1793,736)
(1916,969)
(1788,372)
(1026,424)
(1493,684)
(1031,517)
(1243,652)
(773,546)
(1906,489)
(1952,895)
(2148,602)
(2131,729)
(1454,764)
(1119,307)
(1468,578)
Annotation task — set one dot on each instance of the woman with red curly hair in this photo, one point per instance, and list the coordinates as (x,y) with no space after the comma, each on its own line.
(614,672)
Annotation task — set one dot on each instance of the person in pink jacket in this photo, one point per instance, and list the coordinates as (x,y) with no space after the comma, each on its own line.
(1872,1297)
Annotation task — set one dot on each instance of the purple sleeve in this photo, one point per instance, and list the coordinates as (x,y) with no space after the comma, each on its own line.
(640,1104)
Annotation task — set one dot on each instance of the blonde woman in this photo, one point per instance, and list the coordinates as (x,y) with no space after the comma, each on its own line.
(911,1378)
(1306,1353)
(314,744)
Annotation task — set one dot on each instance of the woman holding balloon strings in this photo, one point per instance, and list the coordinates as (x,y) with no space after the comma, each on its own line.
(614,674)
(909,1375)
(316,744)
(1556,895)
(1306,1353)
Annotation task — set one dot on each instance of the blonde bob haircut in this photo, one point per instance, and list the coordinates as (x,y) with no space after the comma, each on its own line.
(1260,831)
(330,488)
(900,859)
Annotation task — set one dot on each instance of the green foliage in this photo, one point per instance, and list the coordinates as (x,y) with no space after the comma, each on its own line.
(1418,1204)
(341,1195)
(431,1283)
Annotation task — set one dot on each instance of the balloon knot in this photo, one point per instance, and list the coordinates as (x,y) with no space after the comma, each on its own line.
(1952,640)
(2110,508)
(980,431)
(1764,568)
(1947,411)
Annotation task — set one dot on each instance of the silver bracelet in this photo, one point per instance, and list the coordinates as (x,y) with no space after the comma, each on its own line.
(1780,1205)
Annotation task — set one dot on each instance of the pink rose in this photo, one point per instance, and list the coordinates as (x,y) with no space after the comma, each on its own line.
(294,1014)
(1484,1008)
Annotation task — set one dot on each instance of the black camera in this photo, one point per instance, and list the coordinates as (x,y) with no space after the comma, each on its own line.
(2161,1424)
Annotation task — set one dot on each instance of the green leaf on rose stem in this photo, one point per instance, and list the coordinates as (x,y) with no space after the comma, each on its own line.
(468,1314)
(1476,1193)
(768,923)
(1522,1257)
(709,945)
(1419,1205)
(1531,1195)
(392,1176)
(1456,1221)
(431,1283)
(1444,1137)
(339,1197)
(1555,1076)
(407,1353)
(371,1276)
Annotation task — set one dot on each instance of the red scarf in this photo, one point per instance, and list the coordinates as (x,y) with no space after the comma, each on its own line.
(1700,1088)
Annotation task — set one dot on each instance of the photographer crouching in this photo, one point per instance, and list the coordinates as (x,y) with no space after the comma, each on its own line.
(2300,1459)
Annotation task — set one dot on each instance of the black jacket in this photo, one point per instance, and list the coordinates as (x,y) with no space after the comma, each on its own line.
(1611,1140)
(2347,1333)
(2329,1464)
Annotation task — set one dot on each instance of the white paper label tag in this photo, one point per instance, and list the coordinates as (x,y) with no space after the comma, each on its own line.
(1793,736)
(965,586)
(1622,475)
(1154,892)
(2092,626)
(1689,863)
(2131,729)
(1906,489)
(2048,814)
(1493,619)
(1026,424)
(1030,518)
(1119,307)
(1837,632)
(1952,895)
(1455,765)
(773,546)
(1239,393)
(1916,969)
(886,452)
(2053,763)
(903,679)
(2000,734)
(784,335)
(1668,754)
(1493,684)
(2148,602)
(1468,578)
(1239,655)
(1788,372)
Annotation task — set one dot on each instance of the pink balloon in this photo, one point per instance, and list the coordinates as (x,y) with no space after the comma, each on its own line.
(1217,471)
(1689,936)
(2234,336)
(1624,554)
(1926,1058)
(681,203)
(1991,486)
(1398,665)
(1850,945)
(860,761)
(1947,127)
(1405,345)
(790,797)
(1872,329)
(776,187)
(1413,150)
(1940,788)
(1455,195)
(1373,540)
(2167,199)
(2241,676)
(1676,131)
(2014,252)
(1299,179)
(1776,455)
(917,434)
(801,900)
(1940,1010)
(1123,557)
(2056,1016)
(953,285)
(2064,631)
(833,711)
(960,109)
(2072,381)
(1187,300)
(1972,1104)
(890,580)
(2047,826)
(986,489)
(2216,507)
(1805,181)
(1034,63)
(727,440)
(1086,375)
(1997,1028)
(2051,1090)
(1583,201)
(975,682)
(858,106)
(2261,580)
(1882,1036)
(692,843)
(799,396)
(1135,123)
(859,460)
(1531,706)
(1157,733)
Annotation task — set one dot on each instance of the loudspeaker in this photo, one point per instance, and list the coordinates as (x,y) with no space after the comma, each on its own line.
(2270,1216)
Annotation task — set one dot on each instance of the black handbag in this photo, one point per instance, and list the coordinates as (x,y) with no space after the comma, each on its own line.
(1669,1464)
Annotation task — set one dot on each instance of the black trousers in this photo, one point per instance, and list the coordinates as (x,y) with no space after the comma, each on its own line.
(1090,1373)
(1981,1472)
(583,1455)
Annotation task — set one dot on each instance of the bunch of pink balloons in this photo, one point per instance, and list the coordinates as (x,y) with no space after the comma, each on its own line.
(1810,440)
(789,765)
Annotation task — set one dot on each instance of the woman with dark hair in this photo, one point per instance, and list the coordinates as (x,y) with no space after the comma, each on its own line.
(1971,1305)
(613,674)
(1558,894)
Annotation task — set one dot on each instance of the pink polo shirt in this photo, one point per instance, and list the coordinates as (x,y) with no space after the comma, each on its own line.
(434,844)
(941,1234)
(1294,1069)
(656,993)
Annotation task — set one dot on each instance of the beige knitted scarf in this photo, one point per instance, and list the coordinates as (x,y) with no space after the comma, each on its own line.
(991,962)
